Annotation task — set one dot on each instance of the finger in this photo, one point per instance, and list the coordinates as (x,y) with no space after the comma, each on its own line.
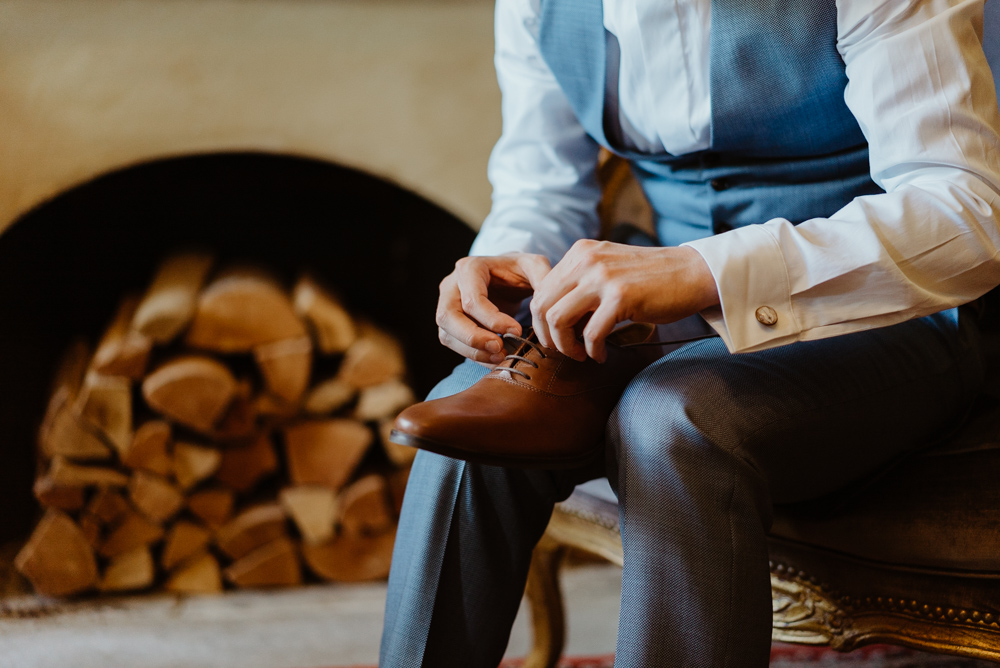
(535,268)
(473,279)
(562,320)
(595,334)
(475,354)
(459,325)
(557,283)
(467,331)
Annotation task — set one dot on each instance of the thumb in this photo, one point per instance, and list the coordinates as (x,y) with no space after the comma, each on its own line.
(535,268)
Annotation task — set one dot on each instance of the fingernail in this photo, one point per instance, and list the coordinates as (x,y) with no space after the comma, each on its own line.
(512,330)
(493,346)
(496,359)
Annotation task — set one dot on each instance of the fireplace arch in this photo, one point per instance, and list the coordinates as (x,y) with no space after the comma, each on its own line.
(65,264)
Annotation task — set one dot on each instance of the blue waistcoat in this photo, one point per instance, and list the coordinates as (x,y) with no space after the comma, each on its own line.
(783,142)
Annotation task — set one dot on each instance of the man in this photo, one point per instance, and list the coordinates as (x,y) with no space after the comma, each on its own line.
(825,178)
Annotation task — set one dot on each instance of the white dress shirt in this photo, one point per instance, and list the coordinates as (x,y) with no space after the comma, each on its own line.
(923,95)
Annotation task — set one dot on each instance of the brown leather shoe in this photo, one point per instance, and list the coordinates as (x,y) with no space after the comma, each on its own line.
(537,409)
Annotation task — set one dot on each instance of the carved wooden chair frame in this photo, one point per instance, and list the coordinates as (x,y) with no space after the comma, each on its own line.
(806,610)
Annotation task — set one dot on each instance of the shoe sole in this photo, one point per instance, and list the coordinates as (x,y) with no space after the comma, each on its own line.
(551,463)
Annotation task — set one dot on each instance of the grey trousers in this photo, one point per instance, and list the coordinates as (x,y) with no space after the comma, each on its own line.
(701,446)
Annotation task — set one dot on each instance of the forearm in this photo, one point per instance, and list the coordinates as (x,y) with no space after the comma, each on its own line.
(923,93)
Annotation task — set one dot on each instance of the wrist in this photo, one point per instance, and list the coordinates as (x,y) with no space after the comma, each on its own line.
(697,277)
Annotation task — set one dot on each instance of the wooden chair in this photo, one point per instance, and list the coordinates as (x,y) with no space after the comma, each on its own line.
(912,558)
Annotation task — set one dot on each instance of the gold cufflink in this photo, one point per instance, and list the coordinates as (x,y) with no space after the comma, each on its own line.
(766,316)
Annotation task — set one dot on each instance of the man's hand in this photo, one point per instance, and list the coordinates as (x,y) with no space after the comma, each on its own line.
(478,299)
(611,283)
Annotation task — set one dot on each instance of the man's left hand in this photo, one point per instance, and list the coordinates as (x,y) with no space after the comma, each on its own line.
(612,283)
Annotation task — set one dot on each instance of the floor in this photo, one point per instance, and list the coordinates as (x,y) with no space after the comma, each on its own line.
(321,626)
(335,625)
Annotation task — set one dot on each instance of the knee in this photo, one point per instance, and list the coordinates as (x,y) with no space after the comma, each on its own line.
(668,414)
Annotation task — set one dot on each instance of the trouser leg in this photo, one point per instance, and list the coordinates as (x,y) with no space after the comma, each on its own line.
(466,533)
(706,442)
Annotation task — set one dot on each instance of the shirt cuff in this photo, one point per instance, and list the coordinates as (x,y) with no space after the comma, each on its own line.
(752,280)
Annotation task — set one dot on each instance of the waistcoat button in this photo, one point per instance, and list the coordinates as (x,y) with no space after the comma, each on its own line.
(766,316)
(719,184)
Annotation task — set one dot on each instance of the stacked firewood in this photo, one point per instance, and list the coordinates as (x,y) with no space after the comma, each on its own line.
(224,430)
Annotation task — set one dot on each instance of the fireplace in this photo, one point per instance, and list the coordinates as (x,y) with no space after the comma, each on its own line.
(64,266)
(346,139)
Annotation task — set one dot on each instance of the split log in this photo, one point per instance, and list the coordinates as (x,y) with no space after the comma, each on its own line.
(325,452)
(122,350)
(285,366)
(239,424)
(57,558)
(200,575)
(329,396)
(331,324)
(134,531)
(193,390)
(275,564)
(72,369)
(64,433)
(108,506)
(241,310)
(92,530)
(194,463)
(64,473)
(169,304)
(154,496)
(372,359)
(270,406)
(184,540)
(351,558)
(65,386)
(212,506)
(242,468)
(383,400)
(148,450)
(314,510)
(397,488)
(106,403)
(400,455)
(62,497)
(364,506)
(130,571)
(251,529)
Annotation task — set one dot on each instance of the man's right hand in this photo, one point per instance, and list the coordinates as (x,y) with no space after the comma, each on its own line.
(479,299)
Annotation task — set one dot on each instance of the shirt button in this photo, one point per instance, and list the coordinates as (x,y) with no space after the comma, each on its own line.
(766,316)
(719,184)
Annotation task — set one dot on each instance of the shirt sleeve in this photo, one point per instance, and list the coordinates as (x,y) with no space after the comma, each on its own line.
(542,170)
(923,94)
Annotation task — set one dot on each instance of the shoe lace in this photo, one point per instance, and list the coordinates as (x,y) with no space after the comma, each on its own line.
(522,342)
(534,345)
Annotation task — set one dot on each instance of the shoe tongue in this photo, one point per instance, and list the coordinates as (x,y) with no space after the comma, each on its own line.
(518,347)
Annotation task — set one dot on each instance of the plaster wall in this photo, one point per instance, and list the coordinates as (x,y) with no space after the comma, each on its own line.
(404,90)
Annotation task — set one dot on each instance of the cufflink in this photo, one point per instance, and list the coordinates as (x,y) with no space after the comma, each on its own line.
(766,316)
